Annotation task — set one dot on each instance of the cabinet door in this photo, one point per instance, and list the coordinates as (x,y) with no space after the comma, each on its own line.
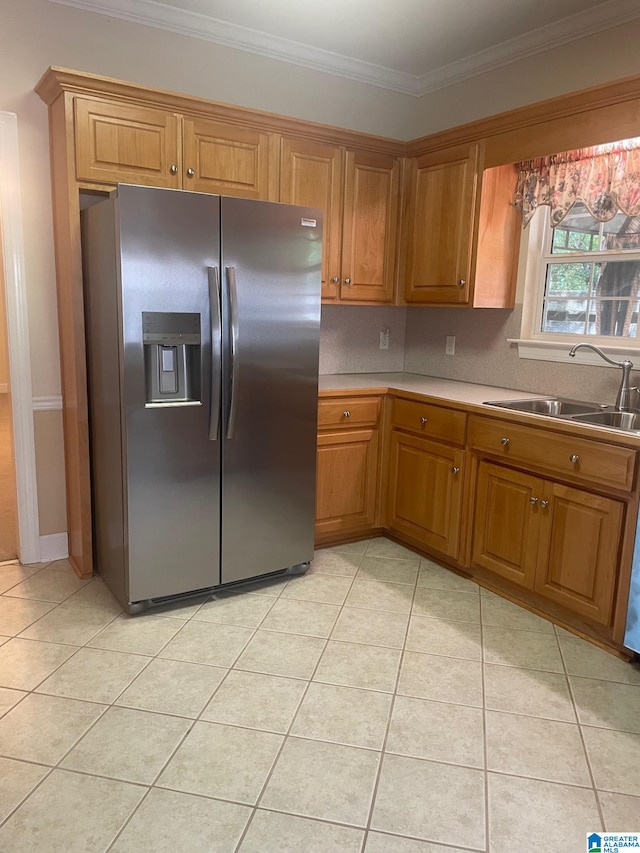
(506,522)
(311,175)
(370,227)
(425,491)
(439,227)
(347,477)
(578,554)
(226,159)
(127,144)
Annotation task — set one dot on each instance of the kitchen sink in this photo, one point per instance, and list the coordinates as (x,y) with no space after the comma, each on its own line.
(619,420)
(554,406)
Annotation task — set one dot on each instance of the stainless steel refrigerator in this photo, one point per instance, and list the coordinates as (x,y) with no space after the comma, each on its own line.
(203,317)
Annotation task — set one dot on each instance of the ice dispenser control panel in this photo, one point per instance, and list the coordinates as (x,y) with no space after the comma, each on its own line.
(171,358)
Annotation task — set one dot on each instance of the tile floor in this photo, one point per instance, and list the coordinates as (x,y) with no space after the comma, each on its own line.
(380,703)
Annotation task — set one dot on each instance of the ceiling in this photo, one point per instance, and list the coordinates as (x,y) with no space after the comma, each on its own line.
(409,46)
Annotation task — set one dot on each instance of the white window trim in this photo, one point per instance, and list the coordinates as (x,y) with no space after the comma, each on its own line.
(536,345)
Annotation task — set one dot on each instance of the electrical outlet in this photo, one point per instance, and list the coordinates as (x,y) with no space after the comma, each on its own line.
(384,338)
(450,345)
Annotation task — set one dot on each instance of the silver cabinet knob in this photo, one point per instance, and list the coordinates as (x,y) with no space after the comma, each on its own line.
(173,168)
(190,172)
(423,420)
(462,282)
(574,458)
(455,470)
(346,414)
(347,281)
(505,442)
(544,504)
(335,279)
(533,500)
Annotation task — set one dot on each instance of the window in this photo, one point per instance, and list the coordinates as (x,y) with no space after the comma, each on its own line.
(582,275)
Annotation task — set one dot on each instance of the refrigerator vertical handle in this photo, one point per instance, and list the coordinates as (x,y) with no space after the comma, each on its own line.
(216,351)
(235,365)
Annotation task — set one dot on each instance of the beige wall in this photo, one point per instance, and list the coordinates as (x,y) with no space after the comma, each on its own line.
(610,55)
(37,33)
(4,356)
(50,471)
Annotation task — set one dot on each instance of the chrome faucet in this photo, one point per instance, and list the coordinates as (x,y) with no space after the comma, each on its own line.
(623,399)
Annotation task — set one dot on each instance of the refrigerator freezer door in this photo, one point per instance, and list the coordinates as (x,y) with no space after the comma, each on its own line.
(168,242)
(271,260)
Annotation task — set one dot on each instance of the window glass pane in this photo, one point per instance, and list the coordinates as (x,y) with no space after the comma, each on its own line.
(565,316)
(621,232)
(568,279)
(611,310)
(578,232)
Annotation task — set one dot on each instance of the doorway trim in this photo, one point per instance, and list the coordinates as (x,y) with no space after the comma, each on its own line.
(24,451)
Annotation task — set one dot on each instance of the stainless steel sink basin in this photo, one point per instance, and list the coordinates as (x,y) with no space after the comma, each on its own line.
(629,421)
(553,406)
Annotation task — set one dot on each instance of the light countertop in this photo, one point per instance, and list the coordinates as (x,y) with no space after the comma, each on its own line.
(444,389)
(467,394)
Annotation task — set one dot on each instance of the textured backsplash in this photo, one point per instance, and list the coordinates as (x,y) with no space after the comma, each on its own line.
(484,356)
(350,339)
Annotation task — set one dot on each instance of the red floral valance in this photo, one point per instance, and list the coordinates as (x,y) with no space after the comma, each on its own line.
(605,178)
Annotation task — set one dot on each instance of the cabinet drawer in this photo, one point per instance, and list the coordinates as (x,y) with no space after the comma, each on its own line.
(432,421)
(348,412)
(592,461)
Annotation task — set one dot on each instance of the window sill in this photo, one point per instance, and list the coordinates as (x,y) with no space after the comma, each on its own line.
(559,351)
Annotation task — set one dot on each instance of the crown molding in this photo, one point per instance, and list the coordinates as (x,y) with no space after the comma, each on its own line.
(566,30)
(197,25)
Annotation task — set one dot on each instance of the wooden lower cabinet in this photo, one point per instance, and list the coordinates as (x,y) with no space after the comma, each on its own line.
(347,481)
(579,551)
(425,491)
(348,463)
(559,541)
(506,523)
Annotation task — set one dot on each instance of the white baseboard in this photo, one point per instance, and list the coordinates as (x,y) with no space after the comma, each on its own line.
(55,546)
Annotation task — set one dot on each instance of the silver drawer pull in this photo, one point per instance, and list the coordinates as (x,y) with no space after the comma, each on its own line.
(423,420)
(173,168)
(335,279)
(346,414)
(533,500)
(505,442)
(544,504)
(574,458)
(190,172)
(455,470)
(461,282)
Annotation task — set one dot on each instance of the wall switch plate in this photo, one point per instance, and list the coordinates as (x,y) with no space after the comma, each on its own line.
(384,339)
(450,345)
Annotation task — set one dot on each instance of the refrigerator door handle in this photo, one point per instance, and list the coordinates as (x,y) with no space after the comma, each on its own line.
(215,314)
(235,365)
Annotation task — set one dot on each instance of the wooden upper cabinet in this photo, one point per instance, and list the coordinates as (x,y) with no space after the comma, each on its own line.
(461,235)
(118,143)
(441,200)
(369,242)
(311,175)
(358,193)
(227,159)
